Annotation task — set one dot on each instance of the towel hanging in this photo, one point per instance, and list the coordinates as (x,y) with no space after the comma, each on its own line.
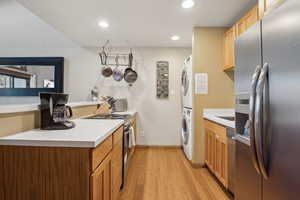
(131,137)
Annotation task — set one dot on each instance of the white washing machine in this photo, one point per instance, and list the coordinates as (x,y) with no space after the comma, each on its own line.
(187,83)
(187,132)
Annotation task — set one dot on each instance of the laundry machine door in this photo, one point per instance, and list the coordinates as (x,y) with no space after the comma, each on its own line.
(185,131)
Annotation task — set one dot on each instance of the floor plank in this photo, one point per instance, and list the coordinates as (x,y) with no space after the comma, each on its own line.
(165,174)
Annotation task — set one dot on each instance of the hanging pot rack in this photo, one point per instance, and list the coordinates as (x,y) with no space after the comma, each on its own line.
(112,59)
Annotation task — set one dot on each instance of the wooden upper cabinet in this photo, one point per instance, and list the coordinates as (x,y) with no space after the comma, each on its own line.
(229,58)
(229,37)
(252,17)
(265,6)
(240,27)
(247,21)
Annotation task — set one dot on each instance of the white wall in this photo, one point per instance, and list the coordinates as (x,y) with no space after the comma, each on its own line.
(159,120)
(82,70)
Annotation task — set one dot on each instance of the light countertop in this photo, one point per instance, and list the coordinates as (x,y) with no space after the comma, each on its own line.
(213,115)
(87,133)
(129,112)
(15,108)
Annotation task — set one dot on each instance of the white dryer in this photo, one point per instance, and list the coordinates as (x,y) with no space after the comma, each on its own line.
(187,83)
(187,132)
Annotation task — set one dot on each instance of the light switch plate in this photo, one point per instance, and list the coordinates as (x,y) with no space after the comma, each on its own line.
(201,83)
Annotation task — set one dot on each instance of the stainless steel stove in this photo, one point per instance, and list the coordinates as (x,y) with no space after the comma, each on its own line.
(124,117)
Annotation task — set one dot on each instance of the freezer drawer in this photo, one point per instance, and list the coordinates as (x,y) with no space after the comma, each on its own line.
(248,183)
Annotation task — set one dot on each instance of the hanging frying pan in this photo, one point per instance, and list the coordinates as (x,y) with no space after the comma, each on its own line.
(106,70)
(117,73)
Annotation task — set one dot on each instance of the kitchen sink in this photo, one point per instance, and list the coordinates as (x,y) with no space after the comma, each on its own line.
(227,118)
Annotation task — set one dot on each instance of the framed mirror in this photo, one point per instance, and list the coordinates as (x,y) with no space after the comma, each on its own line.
(28,76)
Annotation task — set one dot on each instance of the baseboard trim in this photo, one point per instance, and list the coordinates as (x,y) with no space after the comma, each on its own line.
(159,146)
(196,165)
(193,164)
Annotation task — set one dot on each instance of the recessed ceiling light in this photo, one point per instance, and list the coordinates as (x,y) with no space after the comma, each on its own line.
(103,24)
(187,3)
(175,37)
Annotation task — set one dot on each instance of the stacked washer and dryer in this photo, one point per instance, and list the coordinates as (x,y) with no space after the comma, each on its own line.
(187,108)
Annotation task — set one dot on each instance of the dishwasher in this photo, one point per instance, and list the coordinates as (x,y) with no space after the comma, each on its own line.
(231,159)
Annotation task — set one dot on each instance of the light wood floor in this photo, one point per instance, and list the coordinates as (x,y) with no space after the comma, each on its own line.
(165,174)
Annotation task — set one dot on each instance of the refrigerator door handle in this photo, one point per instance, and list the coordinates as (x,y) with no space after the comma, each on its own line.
(252,116)
(261,114)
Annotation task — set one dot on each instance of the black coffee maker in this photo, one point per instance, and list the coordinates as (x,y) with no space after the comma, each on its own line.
(55,112)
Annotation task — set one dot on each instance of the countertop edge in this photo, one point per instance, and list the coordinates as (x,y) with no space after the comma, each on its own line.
(61,143)
(220,122)
(30,143)
(99,141)
(211,114)
(17,108)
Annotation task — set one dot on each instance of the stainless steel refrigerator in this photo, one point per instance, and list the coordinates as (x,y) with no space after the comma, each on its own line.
(267,85)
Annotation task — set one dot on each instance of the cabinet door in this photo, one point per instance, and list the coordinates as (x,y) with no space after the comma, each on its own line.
(241,27)
(247,21)
(221,165)
(251,17)
(226,51)
(117,166)
(101,181)
(229,58)
(206,147)
(210,149)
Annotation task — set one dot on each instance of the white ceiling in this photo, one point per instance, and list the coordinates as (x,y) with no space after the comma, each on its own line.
(135,22)
(21,29)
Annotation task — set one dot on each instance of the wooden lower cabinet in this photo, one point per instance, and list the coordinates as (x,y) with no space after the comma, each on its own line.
(106,180)
(221,161)
(210,149)
(62,173)
(101,181)
(216,151)
(117,166)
